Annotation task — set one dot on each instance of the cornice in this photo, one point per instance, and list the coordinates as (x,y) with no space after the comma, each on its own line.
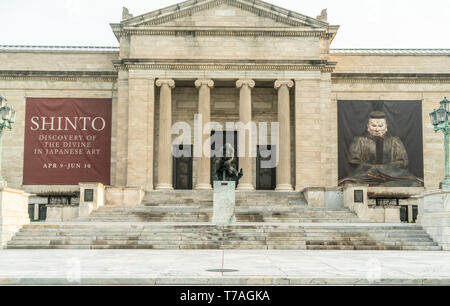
(221,65)
(102,76)
(393,52)
(391,78)
(223,32)
(59,49)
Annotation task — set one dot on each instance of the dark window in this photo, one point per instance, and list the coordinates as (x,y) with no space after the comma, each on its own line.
(415,212)
(404,213)
(42,212)
(31,211)
(89,195)
(358,196)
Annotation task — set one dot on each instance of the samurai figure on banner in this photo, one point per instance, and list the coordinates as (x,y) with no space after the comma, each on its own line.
(378,158)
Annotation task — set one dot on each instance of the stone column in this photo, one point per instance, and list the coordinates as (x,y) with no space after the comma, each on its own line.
(164,180)
(284,141)
(245,117)
(204,109)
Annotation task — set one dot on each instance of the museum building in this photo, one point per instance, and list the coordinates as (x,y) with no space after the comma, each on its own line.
(107,114)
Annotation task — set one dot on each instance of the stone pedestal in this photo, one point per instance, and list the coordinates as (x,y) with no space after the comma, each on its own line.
(224,200)
(350,191)
(120,196)
(13,213)
(314,196)
(434,216)
(359,204)
(92,197)
(62,213)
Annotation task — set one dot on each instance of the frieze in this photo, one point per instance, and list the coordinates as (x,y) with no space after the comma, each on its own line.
(322,66)
(102,76)
(394,78)
(224,33)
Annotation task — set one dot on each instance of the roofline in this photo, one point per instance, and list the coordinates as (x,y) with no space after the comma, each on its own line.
(81,49)
(179,7)
(345,51)
(390,51)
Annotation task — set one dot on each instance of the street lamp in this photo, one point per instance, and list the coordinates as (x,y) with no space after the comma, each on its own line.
(440,118)
(7,119)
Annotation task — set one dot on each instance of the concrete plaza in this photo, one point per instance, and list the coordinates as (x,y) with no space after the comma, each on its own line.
(240,267)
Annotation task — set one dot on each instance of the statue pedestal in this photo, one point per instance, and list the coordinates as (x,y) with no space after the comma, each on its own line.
(224,201)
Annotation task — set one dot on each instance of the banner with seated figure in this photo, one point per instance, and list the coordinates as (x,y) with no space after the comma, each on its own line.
(380,143)
(67,141)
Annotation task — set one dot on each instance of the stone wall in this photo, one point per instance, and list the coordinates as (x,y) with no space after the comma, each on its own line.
(57,61)
(313,106)
(434,216)
(226,48)
(397,62)
(13,213)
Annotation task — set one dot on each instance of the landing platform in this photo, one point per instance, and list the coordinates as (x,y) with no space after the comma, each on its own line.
(237,224)
(195,267)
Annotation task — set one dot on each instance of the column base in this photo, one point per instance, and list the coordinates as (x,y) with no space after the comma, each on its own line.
(203,187)
(246,187)
(284,187)
(164,187)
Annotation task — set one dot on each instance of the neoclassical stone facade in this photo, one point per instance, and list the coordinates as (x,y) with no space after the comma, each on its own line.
(228,60)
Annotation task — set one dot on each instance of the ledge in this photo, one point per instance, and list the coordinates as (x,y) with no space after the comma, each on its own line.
(107,76)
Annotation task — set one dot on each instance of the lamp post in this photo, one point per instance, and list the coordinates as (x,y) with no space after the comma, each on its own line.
(440,118)
(7,118)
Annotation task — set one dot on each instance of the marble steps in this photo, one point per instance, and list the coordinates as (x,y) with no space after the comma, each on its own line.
(194,218)
(207,236)
(195,197)
(77,240)
(186,213)
(192,246)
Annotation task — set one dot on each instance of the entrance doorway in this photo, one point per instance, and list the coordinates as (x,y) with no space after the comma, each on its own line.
(266,178)
(182,167)
(218,141)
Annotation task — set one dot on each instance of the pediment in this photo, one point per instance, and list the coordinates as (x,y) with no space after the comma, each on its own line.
(224,13)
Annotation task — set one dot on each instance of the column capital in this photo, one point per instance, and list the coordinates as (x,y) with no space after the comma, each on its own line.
(168,82)
(242,82)
(281,82)
(200,82)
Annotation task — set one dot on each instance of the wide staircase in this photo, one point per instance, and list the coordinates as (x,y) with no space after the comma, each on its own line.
(182,220)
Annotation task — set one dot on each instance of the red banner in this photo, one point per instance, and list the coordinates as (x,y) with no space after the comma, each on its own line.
(67,141)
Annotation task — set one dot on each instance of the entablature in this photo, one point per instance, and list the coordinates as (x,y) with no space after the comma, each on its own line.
(226,65)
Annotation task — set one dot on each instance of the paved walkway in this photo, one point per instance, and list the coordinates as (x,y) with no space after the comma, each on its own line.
(199,267)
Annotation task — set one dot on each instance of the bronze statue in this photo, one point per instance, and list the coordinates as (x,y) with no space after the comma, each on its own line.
(378,158)
(224,170)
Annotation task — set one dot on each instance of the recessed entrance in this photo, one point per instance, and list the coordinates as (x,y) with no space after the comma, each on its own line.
(182,167)
(266,178)
(218,141)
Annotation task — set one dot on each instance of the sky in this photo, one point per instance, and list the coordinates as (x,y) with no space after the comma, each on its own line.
(364,23)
